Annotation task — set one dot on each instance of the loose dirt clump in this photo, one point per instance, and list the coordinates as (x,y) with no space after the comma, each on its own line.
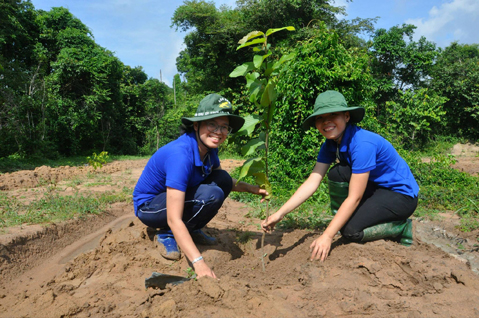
(103,274)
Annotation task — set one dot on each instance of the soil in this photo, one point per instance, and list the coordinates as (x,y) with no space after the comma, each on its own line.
(97,266)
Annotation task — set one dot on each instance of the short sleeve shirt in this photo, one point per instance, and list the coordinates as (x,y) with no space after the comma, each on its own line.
(367,151)
(176,165)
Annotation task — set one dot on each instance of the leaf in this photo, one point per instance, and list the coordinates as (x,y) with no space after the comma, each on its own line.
(268,116)
(249,36)
(257,61)
(257,41)
(242,70)
(251,146)
(250,123)
(271,31)
(251,79)
(263,182)
(250,167)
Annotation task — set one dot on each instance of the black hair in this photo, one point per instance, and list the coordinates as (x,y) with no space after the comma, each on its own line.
(185,129)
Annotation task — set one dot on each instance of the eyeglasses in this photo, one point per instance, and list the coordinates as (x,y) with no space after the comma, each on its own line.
(213,127)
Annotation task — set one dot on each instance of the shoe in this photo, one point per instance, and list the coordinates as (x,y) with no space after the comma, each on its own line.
(199,237)
(167,244)
(400,230)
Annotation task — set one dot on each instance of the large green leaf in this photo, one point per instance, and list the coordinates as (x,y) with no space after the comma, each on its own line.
(257,41)
(263,182)
(258,60)
(251,79)
(242,70)
(269,94)
(251,146)
(250,167)
(250,122)
(249,36)
(271,31)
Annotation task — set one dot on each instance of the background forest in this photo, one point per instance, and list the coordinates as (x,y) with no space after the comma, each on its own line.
(62,95)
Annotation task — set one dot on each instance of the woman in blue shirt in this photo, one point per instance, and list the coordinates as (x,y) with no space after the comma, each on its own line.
(183,186)
(373,192)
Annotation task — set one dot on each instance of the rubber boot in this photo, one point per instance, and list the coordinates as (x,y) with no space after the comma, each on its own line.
(338,192)
(200,237)
(401,230)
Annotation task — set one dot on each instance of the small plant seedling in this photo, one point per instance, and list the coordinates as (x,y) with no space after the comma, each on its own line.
(190,273)
(97,161)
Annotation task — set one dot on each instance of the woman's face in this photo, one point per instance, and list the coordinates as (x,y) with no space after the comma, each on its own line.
(332,125)
(213,132)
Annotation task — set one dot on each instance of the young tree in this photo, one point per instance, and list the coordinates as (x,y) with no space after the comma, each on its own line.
(261,79)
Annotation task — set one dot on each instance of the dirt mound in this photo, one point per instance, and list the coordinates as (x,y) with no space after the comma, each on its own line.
(47,175)
(377,279)
(92,268)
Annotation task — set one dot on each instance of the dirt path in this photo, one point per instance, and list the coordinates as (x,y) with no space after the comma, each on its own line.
(97,268)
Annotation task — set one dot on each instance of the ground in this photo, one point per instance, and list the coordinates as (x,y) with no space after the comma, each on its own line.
(97,266)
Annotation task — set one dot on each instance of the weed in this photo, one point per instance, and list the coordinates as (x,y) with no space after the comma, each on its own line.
(245,237)
(190,273)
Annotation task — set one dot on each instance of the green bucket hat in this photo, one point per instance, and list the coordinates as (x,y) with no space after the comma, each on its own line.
(212,106)
(333,102)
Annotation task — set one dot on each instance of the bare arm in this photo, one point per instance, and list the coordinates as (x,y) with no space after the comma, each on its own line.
(321,246)
(246,187)
(302,194)
(175,201)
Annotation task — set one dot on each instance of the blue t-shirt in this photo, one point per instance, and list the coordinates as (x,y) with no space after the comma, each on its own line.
(366,151)
(176,165)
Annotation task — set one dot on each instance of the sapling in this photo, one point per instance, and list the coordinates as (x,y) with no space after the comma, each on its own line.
(261,79)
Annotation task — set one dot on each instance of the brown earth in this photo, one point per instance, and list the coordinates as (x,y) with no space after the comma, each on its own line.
(97,266)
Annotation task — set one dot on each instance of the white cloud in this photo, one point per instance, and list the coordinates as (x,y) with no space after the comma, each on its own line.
(456,20)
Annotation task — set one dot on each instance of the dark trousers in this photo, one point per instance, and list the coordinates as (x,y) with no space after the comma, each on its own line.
(378,205)
(201,203)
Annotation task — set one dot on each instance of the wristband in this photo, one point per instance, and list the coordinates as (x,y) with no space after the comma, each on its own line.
(199,258)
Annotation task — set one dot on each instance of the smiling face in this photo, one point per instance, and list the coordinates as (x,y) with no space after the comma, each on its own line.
(211,139)
(332,125)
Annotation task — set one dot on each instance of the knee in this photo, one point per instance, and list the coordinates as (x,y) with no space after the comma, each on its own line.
(222,179)
(352,234)
(216,198)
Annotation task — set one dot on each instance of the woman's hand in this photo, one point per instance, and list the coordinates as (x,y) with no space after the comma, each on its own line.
(320,247)
(263,193)
(202,269)
(268,224)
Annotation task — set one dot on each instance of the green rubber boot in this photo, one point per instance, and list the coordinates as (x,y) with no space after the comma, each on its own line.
(401,230)
(338,192)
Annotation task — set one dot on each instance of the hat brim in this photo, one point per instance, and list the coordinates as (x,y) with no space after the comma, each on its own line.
(356,113)
(235,122)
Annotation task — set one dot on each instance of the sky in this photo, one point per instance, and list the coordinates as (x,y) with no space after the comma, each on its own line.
(139,32)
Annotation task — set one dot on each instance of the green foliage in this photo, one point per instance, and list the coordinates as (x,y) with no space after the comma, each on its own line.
(398,63)
(321,63)
(455,76)
(97,161)
(261,79)
(208,56)
(415,117)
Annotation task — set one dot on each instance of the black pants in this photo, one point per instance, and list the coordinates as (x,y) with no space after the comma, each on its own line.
(201,203)
(378,205)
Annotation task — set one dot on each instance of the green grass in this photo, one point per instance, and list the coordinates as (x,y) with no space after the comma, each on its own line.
(53,207)
(16,163)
